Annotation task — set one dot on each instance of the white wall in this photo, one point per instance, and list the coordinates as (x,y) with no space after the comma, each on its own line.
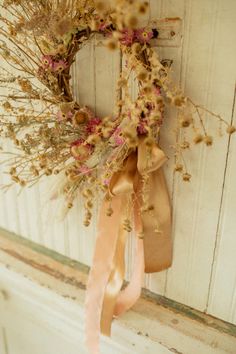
(203,275)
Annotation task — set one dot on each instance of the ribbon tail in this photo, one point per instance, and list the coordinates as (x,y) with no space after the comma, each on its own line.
(108,231)
(157,225)
(116,278)
(128,297)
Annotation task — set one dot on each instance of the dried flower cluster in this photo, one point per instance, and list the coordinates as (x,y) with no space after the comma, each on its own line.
(52,133)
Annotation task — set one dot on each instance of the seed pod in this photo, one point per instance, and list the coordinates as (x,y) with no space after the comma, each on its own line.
(185,145)
(80,117)
(142,75)
(109,211)
(186,177)
(198,138)
(208,140)
(89,204)
(22,183)
(112,44)
(231,129)
(131,21)
(141,235)
(86,223)
(185,122)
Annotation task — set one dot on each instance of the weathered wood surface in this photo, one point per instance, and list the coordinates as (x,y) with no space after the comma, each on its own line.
(204,225)
(52,314)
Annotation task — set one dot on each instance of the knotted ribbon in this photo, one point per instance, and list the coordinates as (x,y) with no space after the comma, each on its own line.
(104,300)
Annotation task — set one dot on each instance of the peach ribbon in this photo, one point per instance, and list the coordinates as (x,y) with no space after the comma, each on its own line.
(104,300)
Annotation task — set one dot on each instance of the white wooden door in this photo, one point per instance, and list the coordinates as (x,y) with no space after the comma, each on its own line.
(203,274)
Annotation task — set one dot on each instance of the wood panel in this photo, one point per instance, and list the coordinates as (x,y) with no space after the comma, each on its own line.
(165,9)
(203,210)
(3,341)
(196,205)
(222,301)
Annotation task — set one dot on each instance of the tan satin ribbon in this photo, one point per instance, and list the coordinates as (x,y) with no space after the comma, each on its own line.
(105,247)
(107,271)
(116,276)
(103,300)
(157,223)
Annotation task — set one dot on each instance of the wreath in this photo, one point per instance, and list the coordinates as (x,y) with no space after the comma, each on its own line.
(117,155)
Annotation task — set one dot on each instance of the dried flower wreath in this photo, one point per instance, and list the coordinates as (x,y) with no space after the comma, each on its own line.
(117,155)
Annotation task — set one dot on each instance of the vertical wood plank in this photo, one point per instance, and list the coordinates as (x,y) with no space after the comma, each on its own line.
(197,204)
(3,209)
(203,250)
(35,214)
(10,199)
(3,341)
(222,299)
(163,9)
(81,239)
(131,238)
(107,70)
(23,212)
(50,212)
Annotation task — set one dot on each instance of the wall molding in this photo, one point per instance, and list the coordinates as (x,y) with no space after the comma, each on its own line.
(53,286)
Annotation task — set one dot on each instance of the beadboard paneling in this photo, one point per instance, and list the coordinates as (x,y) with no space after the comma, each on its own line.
(222,301)
(197,204)
(203,272)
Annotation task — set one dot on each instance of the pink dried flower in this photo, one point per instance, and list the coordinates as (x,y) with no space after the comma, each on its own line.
(59,66)
(142,128)
(69,115)
(47,61)
(106,182)
(80,150)
(119,140)
(157,91)
(143,35)
(92,125)
(61,116)
(102,24)
(127,37)
(78,142)
(102,27)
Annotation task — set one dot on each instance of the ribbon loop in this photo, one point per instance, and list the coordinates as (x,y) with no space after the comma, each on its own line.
(122,181)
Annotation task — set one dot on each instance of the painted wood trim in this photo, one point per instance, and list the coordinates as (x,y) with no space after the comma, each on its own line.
(203,273)
(37,306)
(223,277)
(3,341)
(154,317)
